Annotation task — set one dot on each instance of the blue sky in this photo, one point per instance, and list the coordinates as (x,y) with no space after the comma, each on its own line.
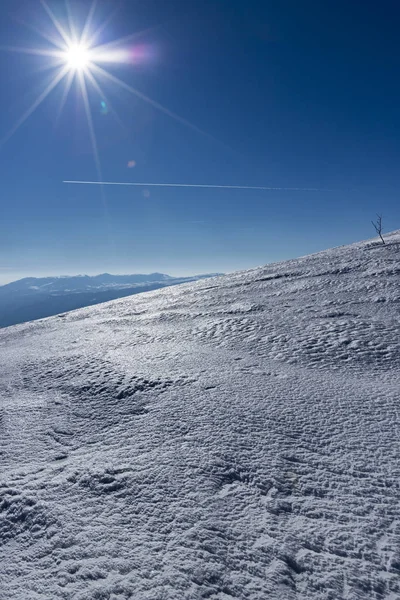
(285,94)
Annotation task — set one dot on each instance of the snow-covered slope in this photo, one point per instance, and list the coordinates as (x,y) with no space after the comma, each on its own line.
(234,438)
(38,297)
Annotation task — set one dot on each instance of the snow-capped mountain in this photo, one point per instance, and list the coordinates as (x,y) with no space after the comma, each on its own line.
(37,297)
(233,438)
(85,283)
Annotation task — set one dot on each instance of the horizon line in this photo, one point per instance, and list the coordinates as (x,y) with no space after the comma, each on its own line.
(197,185)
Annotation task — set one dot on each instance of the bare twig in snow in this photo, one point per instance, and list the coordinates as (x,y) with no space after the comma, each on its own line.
(378,227)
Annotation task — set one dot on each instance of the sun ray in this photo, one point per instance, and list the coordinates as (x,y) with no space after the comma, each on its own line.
(72,28)
(35,105)
(46,36)
(55,64)
(105,48)
(57,56)
(55,22)
(92,40)
(88,23)
(33,51)
(103,96)
(153,103)
(68,84)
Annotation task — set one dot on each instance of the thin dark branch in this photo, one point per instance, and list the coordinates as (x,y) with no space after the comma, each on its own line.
(378,227)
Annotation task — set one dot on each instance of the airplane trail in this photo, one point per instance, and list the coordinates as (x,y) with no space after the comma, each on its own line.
(196,185)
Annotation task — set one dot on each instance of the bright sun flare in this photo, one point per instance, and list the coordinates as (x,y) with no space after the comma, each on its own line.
(77,57)
(74,54)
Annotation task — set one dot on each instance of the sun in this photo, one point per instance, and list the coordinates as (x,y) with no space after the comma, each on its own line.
(77,57)
(74,53)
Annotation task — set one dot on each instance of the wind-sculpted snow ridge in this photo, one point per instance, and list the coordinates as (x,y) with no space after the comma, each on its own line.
(234,438)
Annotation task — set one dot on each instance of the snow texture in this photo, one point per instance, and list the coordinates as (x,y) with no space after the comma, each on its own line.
(38,297)
(233,438)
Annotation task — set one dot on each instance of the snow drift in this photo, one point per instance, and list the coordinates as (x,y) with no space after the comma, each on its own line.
(236,437)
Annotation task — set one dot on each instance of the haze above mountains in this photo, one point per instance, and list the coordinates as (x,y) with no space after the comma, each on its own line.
(35,298)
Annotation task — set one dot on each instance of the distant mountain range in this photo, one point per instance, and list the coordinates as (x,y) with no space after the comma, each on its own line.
(38,297)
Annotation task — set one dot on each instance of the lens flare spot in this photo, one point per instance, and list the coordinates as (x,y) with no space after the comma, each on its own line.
(142,53)
(131,164)
(104,108)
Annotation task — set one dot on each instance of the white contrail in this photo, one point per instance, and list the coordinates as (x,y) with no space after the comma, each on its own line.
(198,185)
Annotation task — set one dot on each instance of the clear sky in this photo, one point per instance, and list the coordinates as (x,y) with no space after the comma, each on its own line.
(279,93)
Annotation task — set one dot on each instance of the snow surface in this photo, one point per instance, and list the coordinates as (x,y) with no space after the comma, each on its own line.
(233,438)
